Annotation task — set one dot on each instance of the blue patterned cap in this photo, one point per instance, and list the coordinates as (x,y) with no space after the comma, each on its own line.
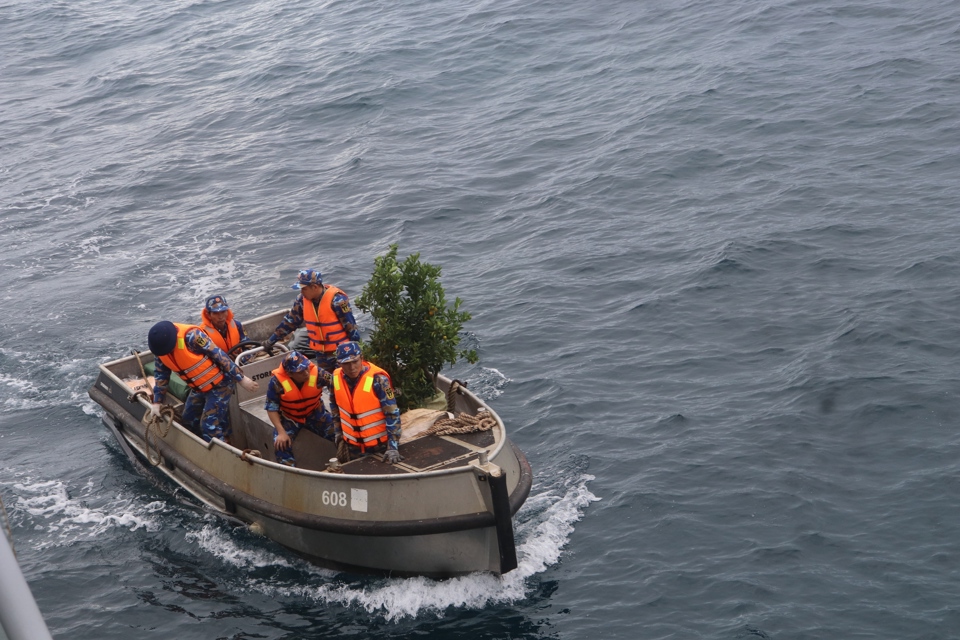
(295,362)
(308,276)
(216,304)
(347,352)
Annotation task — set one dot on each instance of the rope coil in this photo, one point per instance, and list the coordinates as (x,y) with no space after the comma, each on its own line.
(461,423)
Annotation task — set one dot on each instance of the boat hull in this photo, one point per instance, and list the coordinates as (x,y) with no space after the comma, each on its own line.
(441,523)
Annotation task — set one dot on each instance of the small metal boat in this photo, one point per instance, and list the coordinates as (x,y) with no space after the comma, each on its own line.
(446,510)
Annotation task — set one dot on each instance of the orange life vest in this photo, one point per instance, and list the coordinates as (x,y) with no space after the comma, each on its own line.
(198,371)
(325,331)
(296,402)
(361,417)
(233,333)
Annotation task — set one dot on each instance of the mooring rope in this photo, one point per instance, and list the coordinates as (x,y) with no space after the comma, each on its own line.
(343,452)
(452,395)
(159,430)
(247,454)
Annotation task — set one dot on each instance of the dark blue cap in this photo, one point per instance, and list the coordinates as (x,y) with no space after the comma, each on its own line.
(162,338)
(216,304)
(308,276)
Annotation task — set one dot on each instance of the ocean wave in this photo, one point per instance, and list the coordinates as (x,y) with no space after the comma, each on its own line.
(488,383)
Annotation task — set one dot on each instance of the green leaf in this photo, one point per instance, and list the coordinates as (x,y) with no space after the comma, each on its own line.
(415,332)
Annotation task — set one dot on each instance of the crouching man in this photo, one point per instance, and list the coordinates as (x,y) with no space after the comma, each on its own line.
(294,402)
(210,374)
(364,402)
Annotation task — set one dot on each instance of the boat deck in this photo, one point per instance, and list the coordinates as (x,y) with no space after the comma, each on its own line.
(427,453)
(252,428)
(421,453)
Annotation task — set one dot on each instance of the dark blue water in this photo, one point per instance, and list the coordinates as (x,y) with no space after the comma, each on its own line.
(711,252)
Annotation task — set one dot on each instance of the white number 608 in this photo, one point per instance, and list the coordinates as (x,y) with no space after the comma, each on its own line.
(334,498)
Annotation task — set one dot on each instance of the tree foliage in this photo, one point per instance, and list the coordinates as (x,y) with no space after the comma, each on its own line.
(416,333)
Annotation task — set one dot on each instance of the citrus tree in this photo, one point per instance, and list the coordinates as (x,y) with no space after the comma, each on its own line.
(416,333)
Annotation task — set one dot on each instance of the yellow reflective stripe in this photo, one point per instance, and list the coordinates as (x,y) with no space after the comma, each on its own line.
(336,383)
(368,383)
(286,386)
(313,381)
(180,344)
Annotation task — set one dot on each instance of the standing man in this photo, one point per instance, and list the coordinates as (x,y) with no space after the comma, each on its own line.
(218,323)
(369,419)
(325,310)
(207,370)
(294,403)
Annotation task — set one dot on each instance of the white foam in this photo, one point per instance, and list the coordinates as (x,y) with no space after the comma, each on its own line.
(218,542)
(71,518)
(92,245)
(19,384)
(543,531)
(488,383)
(19,393)
(22,393)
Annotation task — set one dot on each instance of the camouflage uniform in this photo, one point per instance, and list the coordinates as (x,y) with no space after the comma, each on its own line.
(388,403)
(294,320)
(319,422)
(225,331)
(206,414)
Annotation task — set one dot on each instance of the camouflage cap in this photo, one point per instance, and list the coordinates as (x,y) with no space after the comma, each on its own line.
(216,304)
(295,362)
(347,352)
(308,276)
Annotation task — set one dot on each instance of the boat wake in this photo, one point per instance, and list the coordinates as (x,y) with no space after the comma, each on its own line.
(543,528)
(49,507)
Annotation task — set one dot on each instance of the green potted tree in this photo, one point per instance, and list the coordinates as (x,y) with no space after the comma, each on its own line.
(416,332)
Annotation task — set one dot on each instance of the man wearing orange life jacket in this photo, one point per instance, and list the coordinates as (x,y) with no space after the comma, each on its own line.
(294,403)
(325,310)
(366,416)
(206,369)
(218,323)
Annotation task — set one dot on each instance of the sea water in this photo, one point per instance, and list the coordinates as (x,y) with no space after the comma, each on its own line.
(710,251)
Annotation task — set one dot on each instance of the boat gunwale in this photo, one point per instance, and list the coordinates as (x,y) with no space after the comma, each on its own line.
(491,455)
(373,528)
